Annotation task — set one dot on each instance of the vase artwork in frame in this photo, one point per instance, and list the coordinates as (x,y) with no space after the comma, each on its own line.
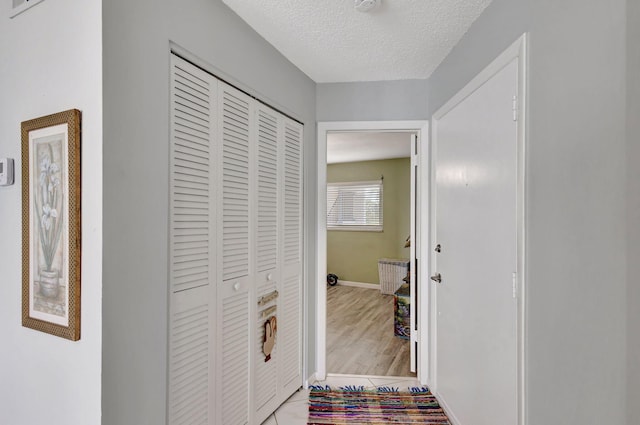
(51,224)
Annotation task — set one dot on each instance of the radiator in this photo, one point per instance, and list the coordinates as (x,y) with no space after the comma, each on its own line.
(391,273)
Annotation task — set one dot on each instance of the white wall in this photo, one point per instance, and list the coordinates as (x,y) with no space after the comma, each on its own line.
(137,38)
(372,101)
(576,248)
(50,61)
(633,212)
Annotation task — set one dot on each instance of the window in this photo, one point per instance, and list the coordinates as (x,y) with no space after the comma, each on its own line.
(355,206)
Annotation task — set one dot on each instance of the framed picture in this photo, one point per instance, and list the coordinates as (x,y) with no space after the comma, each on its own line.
(19,6)
(51,224)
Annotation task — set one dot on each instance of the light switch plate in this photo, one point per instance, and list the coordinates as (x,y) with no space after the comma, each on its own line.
(19,6)
(6,171)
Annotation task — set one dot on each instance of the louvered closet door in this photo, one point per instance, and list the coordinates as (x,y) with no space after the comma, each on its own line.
(192,231)
(235,228)
(235,252)
(267,255)
(290,301)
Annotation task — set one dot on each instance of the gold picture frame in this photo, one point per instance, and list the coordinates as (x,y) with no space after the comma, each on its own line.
(51,224)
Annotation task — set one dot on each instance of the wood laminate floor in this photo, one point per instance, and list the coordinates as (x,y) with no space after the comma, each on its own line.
(360,338)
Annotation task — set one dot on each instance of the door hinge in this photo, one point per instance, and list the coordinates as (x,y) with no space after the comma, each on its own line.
(515,108)
(514,284)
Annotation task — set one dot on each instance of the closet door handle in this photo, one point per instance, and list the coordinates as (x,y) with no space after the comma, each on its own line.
(437,277)
(236,286)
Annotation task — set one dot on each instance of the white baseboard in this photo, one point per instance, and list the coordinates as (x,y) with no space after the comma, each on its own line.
(358,284)
(310,381)
(443,404)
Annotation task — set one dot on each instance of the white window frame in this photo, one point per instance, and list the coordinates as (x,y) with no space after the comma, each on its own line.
(357,227)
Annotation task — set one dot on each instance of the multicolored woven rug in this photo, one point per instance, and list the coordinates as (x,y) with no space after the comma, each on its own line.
(386,405)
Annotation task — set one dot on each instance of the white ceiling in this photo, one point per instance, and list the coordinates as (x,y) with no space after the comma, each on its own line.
(367,146)
(332,42)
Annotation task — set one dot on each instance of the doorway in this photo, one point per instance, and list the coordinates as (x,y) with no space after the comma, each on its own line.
(368,251)
(418,158)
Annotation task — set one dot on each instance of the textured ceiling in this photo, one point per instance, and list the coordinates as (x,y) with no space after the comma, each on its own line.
(332,42)
(367,146)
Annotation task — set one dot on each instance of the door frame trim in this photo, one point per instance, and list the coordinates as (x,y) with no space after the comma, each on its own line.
(422,129)
(518,50)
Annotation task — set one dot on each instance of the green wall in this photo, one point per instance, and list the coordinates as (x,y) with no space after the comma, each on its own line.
(353,256)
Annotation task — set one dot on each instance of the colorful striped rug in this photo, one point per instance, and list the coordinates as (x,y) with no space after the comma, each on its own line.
(386,405)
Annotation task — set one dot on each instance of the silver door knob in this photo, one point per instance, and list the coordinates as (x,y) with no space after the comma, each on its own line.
(437,277)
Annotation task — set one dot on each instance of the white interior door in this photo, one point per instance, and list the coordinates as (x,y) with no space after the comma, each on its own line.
(475,194)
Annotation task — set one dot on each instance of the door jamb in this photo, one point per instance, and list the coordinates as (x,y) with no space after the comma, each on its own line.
(422,129)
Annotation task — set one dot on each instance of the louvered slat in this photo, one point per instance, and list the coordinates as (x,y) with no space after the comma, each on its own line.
(235,359)
(265,388)
(267,191)
(191,101)
(189,363)
(235,126)
(290,330)
(292,192)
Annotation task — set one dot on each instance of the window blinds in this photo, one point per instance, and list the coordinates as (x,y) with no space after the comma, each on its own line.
(355,206)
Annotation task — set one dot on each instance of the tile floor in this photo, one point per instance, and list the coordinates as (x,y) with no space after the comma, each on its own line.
(295,410)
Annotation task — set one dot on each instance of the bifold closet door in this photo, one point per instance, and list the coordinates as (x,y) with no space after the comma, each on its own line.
(267,256)
(235,253)
(235,228)
(192,231)
(278,254)
(290,300)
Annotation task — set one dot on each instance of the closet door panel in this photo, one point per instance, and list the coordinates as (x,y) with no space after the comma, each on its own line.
(267,179)
(191,235)
(266,251)
(290,329)
(235,280)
